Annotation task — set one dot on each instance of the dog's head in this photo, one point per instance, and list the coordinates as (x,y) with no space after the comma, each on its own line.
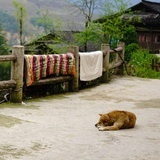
(103,120)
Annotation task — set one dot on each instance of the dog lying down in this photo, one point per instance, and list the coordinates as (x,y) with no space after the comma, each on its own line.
(116,120)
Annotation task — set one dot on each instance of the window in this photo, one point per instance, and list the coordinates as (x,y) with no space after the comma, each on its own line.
(158,38)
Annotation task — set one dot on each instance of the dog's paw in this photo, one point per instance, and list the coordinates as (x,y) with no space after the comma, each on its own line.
(101,129)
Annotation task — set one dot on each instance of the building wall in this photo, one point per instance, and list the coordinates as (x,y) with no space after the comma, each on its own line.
(149,40)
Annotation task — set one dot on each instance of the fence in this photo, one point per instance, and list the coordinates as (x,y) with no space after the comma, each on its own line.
(16,82)
(17,71)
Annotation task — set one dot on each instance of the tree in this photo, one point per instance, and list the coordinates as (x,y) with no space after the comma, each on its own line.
(114,25)
(87,9)
(4,50)
(6,20)
(45,20)
(130,35)
(20,15)
(110,27)
(92,34)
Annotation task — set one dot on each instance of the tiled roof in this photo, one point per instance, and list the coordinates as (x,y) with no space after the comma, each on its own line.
(154,6)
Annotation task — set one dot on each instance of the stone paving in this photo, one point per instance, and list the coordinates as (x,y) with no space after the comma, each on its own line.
(61,127)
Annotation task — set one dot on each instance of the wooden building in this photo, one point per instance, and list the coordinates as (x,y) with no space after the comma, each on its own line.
(148,28)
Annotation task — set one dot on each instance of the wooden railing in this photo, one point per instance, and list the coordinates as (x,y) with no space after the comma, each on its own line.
(17,58)
(16,82)
(73,80)
(111,63)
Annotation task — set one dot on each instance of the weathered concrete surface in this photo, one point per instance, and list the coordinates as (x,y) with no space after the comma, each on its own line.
(62,127)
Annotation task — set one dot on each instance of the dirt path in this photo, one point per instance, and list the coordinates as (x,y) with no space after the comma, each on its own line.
(62,127)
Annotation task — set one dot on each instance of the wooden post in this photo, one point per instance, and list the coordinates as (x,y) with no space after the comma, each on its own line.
(105,48)
(74,85)
(121,67)
(17,74)
(121,44)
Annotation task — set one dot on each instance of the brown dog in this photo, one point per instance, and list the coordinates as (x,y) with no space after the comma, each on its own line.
(116,120)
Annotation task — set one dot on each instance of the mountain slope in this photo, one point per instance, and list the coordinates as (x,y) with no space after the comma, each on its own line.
(59,9)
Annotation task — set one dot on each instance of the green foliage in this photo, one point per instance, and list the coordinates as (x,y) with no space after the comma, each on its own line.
(130,49)
(45,20)
(113,24)
(142,58)
(4,49)
(130,38)
(158,60)
(130,35)
(93,33)
(6,20)
(5,71)
(111,28)
(20,12)
(20,15)
(141,62)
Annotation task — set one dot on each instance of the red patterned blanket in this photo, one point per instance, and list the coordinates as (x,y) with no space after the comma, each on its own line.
(40,66)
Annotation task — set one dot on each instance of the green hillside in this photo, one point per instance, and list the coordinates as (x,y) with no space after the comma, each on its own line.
(58,9)
(6,20)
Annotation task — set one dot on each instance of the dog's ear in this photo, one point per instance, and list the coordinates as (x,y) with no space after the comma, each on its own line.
(106,116)
(100,114)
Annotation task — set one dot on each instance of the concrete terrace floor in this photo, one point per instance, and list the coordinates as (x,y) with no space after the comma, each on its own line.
(61,127)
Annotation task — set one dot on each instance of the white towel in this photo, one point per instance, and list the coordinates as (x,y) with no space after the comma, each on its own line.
(91,65)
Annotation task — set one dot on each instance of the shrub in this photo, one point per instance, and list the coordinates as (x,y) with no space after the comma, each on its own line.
(141,62)
(5,70)
(130,35)
(131,48)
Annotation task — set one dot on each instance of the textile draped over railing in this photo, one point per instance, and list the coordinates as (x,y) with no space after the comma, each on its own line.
(52,69)
(40,66)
